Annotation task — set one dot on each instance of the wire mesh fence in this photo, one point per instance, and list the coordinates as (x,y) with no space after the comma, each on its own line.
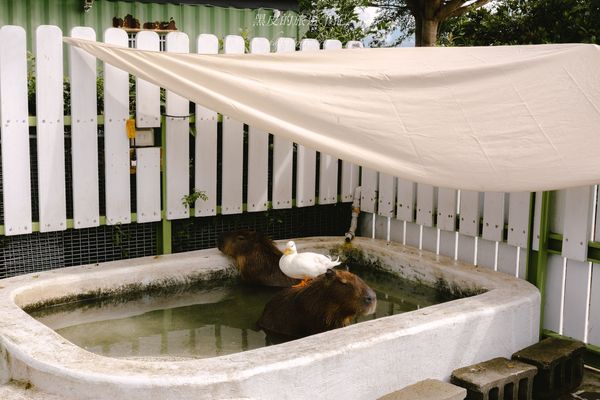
(202,233)
(44,251)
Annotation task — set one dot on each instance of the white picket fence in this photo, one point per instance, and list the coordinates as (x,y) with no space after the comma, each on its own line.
(573,284)
(82,72)
(573,291)
(400,201)
(572,301)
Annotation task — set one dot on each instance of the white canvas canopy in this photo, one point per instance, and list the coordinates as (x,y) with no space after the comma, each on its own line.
(514,118)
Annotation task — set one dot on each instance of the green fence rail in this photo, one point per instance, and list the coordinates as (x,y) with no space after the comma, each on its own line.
(551,243)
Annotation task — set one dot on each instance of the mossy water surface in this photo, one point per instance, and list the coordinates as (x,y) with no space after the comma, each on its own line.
(202,320)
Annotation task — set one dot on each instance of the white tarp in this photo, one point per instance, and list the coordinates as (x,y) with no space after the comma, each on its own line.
(508,118)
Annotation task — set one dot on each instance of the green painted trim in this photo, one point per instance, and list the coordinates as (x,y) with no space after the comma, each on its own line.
(32,120)
(531,254)
(595,245)
(165,232)
(35,225)
(592,356)
(555,247)
(542,256)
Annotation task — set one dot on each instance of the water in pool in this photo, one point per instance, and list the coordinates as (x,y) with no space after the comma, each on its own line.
(199,322)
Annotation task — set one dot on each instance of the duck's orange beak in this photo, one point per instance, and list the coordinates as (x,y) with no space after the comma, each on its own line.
(287,251)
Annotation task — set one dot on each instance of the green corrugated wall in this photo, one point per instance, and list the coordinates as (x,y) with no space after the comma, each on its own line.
(191,19)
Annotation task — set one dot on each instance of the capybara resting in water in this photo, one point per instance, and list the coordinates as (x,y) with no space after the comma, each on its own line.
(256,257)
(327,302)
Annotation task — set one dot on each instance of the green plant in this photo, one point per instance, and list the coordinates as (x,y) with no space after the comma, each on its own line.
(337,19)
(516,22)
(120,236)
(31,82)
(246,36)
(272,216)
(190,199)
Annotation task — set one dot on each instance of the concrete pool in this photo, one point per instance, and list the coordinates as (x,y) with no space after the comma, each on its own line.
(361,361)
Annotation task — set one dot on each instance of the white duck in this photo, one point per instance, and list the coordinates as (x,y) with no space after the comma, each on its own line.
(305,265)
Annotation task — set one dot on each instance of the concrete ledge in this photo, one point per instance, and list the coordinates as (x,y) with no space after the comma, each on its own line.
(362,361)
(427,390)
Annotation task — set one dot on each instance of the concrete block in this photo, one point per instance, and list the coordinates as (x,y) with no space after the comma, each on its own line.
(560,365)
(496,379)
(427,390)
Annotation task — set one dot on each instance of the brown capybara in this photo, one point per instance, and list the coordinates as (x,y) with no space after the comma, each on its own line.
(327,302)
(117,22)
(256,257)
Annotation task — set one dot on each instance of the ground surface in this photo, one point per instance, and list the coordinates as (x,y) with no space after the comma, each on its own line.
(589,390)
(17,391)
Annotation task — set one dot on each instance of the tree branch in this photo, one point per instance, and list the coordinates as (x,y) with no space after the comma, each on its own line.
(448,8)
(382,4)
(472,6)
(417,7)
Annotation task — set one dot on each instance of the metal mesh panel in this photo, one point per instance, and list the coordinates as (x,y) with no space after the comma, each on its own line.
(101,172)
(68,172)
(43,251)
(33,165)
(202,233)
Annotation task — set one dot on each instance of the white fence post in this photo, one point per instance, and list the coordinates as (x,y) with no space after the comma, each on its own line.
(446,221)
(258,151)
(177,146)
(387,195)
(205,157)
(148,184)
(116,141)
(405,200)
(283,150)
(50,129)
(306,159)
(147,95)
(518,218)
(84,133)
(469,226)
(328,165)
(233,148)
(16,178)
(493,216)
(350,171)
(425,204)
(446,210)
(577,226)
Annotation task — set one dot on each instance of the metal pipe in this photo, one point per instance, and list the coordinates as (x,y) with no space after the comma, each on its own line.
(355,212)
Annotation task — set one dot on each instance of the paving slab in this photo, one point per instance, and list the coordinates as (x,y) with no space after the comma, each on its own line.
(427,390)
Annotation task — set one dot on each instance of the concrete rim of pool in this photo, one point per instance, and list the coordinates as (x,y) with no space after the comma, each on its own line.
(361,361)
